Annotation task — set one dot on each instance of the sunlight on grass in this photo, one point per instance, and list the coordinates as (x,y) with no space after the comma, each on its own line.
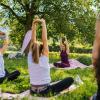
(22,83)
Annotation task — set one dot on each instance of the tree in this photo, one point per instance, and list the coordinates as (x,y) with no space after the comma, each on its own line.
(21,12)
(69,17)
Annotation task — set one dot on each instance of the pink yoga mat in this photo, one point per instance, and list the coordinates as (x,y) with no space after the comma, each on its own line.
(26,41)
(73,64)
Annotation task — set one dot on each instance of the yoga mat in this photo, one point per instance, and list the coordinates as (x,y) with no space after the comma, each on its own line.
(27,94)
(26,41)
(73,65)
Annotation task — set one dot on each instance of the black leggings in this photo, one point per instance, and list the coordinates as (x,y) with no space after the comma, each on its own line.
(57,87)
(98,92)
(10,76)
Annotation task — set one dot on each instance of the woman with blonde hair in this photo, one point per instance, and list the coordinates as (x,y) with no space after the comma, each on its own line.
(38,64)
(64,51)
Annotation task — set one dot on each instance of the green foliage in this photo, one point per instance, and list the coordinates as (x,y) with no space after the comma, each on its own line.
(1,42)
(73,49)
(17,34)
(80,50)
(22,83)
(85,60)
(73,18)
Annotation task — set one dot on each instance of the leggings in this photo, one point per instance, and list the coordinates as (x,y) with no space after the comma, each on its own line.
(62,65)
(56,88)
(10,76)
(98,92)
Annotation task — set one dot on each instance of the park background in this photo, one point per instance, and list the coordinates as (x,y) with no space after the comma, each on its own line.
(74,19)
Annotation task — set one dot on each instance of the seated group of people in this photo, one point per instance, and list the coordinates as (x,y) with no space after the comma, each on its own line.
(38,63)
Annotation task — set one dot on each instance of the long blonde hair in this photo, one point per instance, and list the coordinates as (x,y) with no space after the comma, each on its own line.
(36,52)
(65,43)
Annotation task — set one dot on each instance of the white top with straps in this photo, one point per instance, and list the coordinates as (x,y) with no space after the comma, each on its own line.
(2,71)
(39,73)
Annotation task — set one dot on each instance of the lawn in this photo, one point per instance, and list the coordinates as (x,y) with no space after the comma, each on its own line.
(22,83)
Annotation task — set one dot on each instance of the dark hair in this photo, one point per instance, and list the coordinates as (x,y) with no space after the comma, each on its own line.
(40,49)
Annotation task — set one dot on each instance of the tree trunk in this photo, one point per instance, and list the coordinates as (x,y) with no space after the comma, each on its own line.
(28,26)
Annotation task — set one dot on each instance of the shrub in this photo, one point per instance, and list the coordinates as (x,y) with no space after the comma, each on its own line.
(85,60)
(72,49)
(80,50)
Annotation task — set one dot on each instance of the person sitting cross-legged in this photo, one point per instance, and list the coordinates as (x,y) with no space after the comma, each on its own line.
(64,51)
(4,74)
(38,65)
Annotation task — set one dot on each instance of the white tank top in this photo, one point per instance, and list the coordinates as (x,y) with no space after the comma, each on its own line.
(39,73)
(2,71)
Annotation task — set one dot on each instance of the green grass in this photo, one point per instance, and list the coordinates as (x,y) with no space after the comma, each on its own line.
(22,83)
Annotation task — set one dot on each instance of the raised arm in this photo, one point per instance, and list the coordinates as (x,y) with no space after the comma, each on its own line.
(5,45)
(67,47)
(63,40)
(60,44)
(44,38)
(34,26)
